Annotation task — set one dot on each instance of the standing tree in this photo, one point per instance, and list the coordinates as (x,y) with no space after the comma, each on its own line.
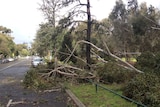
(132,6)
(7,45)
(88,47)
(50,7)
(121,27)
(144,23)
(76,11)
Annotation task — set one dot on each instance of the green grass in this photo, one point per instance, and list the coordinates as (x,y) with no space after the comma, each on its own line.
(87,94)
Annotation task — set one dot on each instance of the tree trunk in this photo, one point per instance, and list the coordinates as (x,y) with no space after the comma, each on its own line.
(88,46)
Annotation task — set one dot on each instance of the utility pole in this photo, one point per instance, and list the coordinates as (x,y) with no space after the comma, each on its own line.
(88,46)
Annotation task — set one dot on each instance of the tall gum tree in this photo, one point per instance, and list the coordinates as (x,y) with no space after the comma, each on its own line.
(89,22)
(50,10)
(50,7)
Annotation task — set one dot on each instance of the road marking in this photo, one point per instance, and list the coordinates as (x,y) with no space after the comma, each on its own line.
(10,66)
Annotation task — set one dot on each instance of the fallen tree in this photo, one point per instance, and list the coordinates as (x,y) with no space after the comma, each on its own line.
(76,72)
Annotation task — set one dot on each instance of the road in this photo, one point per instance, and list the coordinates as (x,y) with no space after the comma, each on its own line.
(13,71)
(11,88)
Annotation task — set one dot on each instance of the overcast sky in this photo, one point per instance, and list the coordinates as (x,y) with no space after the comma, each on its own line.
(23,16)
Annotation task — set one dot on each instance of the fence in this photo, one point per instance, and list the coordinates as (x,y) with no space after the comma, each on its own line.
(124,97)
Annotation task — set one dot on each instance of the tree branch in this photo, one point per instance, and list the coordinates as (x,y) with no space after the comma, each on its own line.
(114,56)
(155,28)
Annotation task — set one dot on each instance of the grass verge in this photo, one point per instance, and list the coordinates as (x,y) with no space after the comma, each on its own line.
(87,94)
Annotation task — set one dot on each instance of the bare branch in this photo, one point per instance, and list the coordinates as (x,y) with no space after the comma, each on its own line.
(64,73)
(9,103)
(114,56)
(82,41)
(155,28)
(53,90)
(99,58)
(149,20)
(108,52)
(81,3)
(75,56)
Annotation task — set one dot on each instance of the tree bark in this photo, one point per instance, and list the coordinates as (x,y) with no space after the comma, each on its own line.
(88,46)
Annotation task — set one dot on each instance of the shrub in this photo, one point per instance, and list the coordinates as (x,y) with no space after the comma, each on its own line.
(149,62)
(35,81)
(112,73)
(144,88)
(146,62)
(157,65)
(30,77)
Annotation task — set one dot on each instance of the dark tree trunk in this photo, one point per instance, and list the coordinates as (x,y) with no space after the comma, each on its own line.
(88,46)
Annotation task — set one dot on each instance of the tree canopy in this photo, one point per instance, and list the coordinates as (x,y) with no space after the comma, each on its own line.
(7,46)
(130,28)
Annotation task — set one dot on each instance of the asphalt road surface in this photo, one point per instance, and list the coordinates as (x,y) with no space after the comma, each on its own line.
(12,92)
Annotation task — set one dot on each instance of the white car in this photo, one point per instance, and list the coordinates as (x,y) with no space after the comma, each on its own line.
(37,61)
(10,59)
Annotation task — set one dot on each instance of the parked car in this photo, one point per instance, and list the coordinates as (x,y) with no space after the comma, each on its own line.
(10,59)
(37,61)
(5,61)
